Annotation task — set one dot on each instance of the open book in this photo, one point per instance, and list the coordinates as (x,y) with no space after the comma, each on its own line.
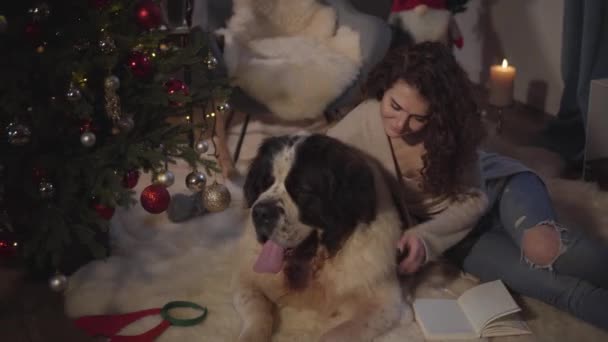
(485,310)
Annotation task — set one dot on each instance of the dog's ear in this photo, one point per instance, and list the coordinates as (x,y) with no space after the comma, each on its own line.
(350,192)
(259,177)
(352,189)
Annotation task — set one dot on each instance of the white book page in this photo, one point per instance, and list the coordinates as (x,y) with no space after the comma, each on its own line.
(487,302)
(506,326)
(442,318)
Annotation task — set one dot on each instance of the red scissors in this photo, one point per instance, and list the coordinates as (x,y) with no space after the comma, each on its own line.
(110,325)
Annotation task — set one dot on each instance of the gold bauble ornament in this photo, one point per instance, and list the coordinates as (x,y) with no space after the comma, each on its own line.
(163,177)
(216,197)
(224,107)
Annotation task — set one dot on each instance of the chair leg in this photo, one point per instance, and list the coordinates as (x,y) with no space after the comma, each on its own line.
(223,153)
(237,150)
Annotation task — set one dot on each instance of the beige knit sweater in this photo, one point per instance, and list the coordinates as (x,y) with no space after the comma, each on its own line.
(450,218)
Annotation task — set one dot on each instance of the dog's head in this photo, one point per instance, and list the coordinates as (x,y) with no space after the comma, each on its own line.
(302,187)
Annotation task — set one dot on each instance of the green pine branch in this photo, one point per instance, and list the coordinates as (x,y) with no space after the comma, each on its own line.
(38,74)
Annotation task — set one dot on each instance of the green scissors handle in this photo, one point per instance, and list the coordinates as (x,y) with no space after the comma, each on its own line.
(164,312)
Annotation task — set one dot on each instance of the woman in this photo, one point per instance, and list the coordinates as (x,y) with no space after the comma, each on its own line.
(422,123)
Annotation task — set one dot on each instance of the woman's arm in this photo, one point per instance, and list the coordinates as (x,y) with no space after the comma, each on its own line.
(451,225)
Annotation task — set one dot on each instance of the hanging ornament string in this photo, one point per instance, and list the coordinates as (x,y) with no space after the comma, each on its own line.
(216,197)
(219,131)
(214,115)
(189,120)
(163,176)
(201,145)
(111,85)
(110,325)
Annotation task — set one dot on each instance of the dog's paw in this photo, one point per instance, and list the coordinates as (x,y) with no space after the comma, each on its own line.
(341,333)
(254,335)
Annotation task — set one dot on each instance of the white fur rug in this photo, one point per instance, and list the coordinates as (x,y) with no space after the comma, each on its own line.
(156,261)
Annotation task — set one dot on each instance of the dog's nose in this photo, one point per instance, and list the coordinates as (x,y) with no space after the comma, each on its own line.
(266,213)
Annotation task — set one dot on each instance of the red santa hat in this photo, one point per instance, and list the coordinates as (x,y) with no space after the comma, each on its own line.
(406,5)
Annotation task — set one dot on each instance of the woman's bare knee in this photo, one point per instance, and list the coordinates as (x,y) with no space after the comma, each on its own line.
(541,244)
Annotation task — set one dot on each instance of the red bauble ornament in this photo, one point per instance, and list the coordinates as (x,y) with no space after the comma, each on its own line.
(176,86)
(8,245)
(87,126)
(140,64)
(155,198)
(103,211)
(33,32)
(148,14)
(38,174)
(173,86)
(129,180)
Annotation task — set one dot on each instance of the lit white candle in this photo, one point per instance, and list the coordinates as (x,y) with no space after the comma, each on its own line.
(501,84)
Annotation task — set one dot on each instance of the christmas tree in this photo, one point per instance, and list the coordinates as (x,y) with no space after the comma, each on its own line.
(88,87)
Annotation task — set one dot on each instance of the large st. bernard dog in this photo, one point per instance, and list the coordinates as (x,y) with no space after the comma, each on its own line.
(322,235)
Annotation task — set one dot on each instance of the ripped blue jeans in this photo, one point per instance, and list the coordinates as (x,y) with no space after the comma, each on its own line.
(577,279)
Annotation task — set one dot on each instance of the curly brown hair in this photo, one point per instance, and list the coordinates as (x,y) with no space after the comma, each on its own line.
(454,129)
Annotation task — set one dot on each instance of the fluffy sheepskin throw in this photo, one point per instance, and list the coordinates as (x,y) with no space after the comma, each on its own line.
(291,56)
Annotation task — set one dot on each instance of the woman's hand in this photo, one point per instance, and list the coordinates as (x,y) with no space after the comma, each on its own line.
(413,247)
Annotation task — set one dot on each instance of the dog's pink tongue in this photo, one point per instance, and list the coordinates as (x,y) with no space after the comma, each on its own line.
(270,259)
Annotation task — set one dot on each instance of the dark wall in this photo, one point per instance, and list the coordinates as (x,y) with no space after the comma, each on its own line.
(220,10)
(379,8)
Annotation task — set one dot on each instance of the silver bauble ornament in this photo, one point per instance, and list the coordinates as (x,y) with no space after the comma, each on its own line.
(216,197)
(88,139)
(196,181)
(125,124)
(211,62)
(111,83)
(18,134)
(81,45)
(58,282)
(46,189)
(73,94)
(164,177)
(40,12)
(224,107)
(201,146)
(106,44)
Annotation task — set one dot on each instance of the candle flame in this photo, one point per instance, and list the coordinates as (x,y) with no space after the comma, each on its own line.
(505,63)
